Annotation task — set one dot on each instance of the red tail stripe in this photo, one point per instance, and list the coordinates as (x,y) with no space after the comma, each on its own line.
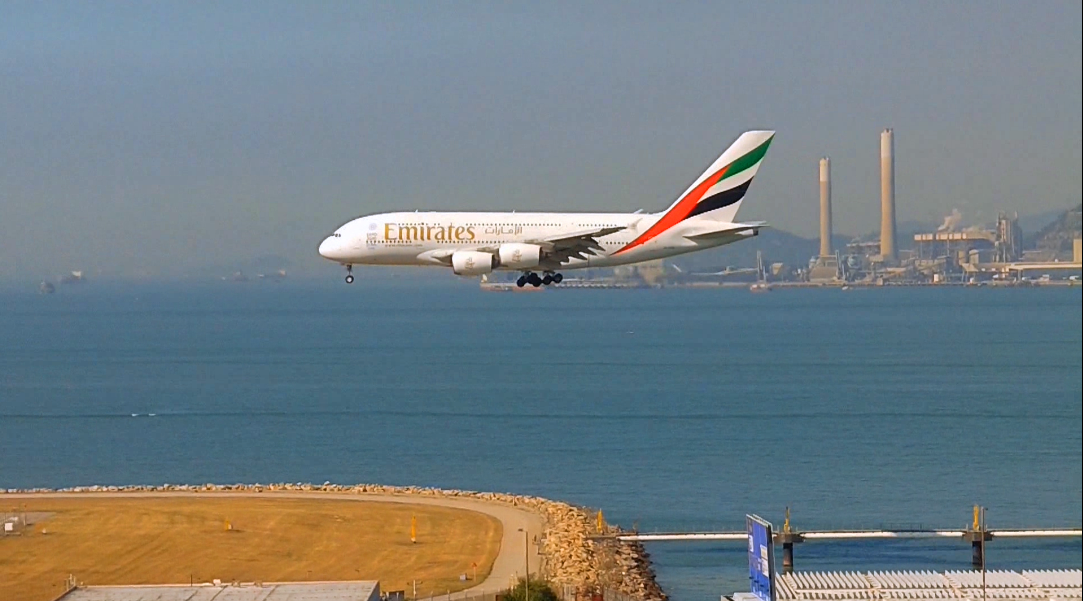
(678,213)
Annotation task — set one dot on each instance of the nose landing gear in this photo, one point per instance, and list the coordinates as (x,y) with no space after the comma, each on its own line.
(349,274)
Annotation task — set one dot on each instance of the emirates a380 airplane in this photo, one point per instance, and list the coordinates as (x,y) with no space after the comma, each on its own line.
(541,245)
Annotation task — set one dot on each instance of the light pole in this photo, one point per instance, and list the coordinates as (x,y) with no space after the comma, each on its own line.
(526,557)
(983,530)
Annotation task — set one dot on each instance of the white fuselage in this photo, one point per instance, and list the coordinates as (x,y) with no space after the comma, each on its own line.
(426,238)
(475,244)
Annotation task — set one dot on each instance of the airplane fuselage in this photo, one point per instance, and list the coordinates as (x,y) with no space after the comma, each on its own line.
(426,238)
(475,244)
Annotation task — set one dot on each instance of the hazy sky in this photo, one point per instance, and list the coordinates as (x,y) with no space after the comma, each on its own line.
(161,137)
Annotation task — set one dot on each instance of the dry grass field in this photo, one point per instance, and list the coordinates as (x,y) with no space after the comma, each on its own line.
(176,540)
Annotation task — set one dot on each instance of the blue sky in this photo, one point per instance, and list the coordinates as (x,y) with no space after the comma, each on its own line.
(157,138)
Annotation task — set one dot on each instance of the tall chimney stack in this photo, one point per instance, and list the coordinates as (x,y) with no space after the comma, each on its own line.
(825,207)
(887,196)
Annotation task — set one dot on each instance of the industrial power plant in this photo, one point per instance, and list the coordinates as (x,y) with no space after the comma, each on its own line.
(972,255)
(950,254)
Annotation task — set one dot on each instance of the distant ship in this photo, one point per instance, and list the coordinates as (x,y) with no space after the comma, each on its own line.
(46,288)
(277,276)
(72,278)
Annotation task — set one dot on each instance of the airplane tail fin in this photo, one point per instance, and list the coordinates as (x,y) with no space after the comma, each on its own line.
(718,192)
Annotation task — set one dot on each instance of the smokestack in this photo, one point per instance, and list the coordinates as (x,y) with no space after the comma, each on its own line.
(825,207)
(887,195)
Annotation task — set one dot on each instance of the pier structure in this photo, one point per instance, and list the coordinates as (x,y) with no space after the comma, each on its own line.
(788,537)
(852,534)
(977,534)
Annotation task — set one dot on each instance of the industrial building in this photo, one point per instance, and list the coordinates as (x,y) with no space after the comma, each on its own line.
(1003,244)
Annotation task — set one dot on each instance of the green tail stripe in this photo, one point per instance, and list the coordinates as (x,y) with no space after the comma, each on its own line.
(748,160)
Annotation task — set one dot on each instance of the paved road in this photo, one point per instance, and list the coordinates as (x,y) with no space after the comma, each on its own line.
(510,562)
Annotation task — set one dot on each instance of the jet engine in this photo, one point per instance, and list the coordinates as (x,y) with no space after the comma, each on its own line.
(472,262)
(520,256)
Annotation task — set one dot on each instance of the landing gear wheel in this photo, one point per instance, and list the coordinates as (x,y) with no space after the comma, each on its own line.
(349,274)
(534,280)
(349,279)
(548,279)
(558,278)
(521,281)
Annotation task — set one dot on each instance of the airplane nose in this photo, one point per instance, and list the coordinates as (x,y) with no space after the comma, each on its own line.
(328,247)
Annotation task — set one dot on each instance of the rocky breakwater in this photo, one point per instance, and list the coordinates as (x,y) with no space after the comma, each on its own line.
(632,562)
(573,557)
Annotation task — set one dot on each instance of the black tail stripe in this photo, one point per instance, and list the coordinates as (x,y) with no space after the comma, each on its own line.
(722,199)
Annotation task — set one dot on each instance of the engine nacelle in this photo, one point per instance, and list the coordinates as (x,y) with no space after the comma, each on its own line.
(520,256)
(472,262)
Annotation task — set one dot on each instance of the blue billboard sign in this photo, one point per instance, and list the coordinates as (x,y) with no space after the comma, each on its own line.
(761,558)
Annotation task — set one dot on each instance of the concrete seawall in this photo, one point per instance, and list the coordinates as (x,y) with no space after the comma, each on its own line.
(571,558)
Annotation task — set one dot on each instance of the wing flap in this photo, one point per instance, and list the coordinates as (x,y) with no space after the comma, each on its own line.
(561,240)
(576,245)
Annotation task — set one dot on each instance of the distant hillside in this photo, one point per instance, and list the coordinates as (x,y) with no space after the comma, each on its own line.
(1031,224)
(1056,238)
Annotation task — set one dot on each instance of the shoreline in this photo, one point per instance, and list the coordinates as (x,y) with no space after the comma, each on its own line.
(606,284)
(570,556)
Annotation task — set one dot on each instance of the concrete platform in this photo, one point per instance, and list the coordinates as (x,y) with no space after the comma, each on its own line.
(268,591)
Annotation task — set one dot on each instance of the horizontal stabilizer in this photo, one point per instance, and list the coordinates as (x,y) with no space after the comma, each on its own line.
(726,230)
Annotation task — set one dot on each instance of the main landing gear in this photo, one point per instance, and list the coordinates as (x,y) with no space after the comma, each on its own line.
(349,274)
(535,280)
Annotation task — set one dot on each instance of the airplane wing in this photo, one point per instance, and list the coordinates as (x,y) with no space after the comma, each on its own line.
(558,248)
(727,230)
(577,245)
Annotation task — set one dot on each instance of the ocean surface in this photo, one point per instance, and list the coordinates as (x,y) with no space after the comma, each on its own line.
(668,409)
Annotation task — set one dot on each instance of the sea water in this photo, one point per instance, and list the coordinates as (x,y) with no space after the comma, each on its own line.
(670,410)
